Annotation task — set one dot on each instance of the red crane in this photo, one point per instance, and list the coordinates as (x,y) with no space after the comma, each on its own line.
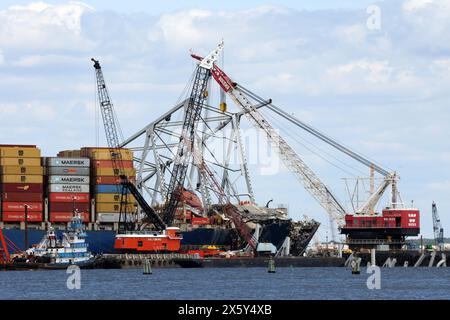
(4,253)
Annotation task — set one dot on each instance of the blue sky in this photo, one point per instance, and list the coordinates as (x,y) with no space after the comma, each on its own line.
(382,91)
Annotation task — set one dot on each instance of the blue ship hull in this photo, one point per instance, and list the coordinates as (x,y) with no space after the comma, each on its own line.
(103,241)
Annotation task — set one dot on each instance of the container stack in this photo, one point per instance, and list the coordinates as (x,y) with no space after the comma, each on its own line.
(21,183)
(68,188)
(106,184)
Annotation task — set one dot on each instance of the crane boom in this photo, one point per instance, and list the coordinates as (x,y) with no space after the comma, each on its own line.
(293,162)
(193,111)
(112,137)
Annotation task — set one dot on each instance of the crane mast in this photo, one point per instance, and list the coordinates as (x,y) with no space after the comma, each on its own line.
(438,230)
(193,111)
(126,186)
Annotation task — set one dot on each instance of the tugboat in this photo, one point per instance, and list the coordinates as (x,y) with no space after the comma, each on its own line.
(71,249)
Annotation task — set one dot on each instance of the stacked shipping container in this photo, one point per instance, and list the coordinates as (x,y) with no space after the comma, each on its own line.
(106,184)
(68,188)
(21,183)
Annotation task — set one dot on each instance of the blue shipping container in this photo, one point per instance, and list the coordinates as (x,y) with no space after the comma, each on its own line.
(109,188)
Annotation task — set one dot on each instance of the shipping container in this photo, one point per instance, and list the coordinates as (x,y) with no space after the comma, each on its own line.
(112,198)
(20,216)
(113,208)
(109,164)
(88,151)
(69,197)
(65,217)
(105,155)
(109,188)
(22,187)
(111,180)
(69,154)
(69,188)
(32,162)
(72,171)
(22,179)
(114,172)
(69,179)
(18,146)
(17,152)
(108,217)
(68,162)
(20,206)
(69,207)
(18,170)
(22,197)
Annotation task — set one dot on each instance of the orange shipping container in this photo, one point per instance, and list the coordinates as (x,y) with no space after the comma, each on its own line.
(112,198)
(32,162)
(106,155)
(22,179)
(18,152)
(109,164)
(112,208)
(112,172)
(111,180)
(18,170)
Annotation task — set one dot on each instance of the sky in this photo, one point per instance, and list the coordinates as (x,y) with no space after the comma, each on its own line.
(376,80)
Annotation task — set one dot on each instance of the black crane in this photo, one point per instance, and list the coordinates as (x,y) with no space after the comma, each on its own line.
(125,187)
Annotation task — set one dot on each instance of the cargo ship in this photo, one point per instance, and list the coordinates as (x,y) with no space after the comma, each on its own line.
(38,193)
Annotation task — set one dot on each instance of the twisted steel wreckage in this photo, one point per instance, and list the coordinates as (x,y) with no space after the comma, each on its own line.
(202,197)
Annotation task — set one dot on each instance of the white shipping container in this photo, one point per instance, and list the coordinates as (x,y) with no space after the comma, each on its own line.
(70,171)
(69,188)
(69,179)
(108,217)
(68,162)
(112,217)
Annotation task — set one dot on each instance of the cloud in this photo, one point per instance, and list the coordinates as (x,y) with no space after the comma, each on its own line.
(43,27)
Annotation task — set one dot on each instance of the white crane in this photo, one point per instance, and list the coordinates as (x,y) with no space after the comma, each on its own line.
(310,181)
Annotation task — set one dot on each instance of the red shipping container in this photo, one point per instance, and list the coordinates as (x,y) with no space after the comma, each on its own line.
(20,206)
(69,197)
(66,217)
(111,180)
(69,207)
(20,216)
(109,164)
(22,197)
(23,187)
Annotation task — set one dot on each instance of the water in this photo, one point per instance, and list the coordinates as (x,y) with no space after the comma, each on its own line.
(232,284)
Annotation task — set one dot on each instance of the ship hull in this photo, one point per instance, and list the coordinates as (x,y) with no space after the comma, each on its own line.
(102,241)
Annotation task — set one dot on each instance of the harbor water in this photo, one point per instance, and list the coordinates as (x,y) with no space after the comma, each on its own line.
(229,284)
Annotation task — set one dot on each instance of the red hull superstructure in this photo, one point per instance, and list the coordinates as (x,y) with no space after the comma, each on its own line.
(168,240)
(390,228)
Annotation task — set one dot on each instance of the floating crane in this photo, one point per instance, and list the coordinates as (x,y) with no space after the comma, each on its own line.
(249,103)
(438,230)
(187,152)
(128,240)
